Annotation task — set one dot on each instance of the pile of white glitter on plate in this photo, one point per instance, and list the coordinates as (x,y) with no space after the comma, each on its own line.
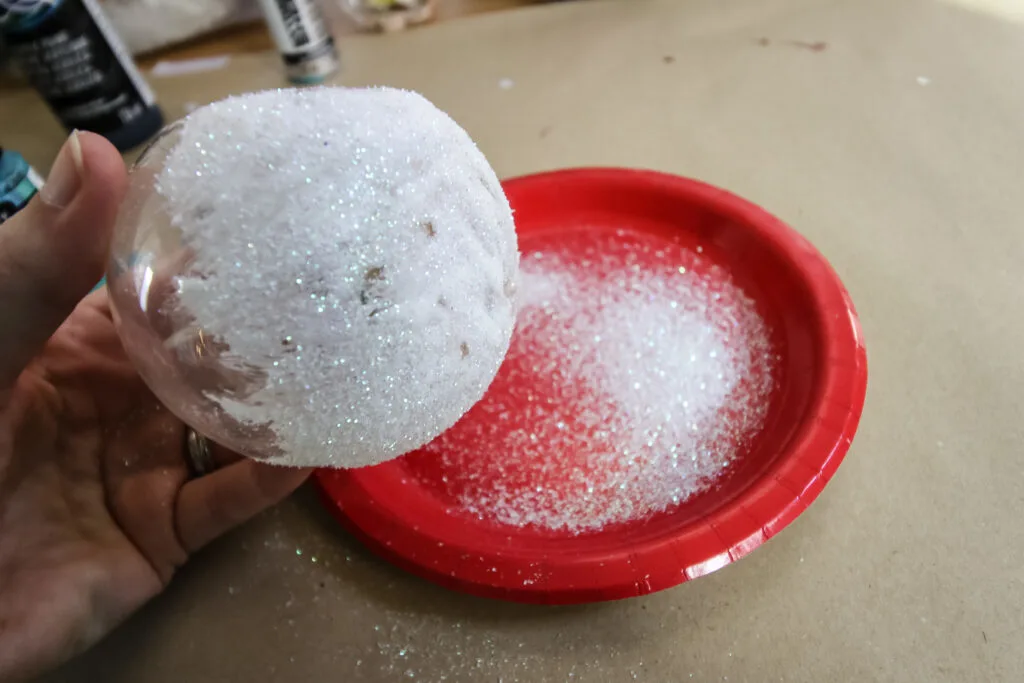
(630,386)
(353,257)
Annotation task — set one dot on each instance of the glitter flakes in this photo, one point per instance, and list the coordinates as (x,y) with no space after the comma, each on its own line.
(343,251)
(630,385)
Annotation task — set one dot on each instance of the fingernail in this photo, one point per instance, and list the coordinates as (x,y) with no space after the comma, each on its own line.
(65,176)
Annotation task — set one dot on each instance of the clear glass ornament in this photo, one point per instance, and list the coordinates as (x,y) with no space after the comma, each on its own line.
(335,291)
(179,361)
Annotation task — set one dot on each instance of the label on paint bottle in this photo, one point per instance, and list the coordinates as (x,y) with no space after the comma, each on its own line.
(74,58)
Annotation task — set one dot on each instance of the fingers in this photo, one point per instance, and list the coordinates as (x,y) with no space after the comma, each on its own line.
(54,250)
(143,472)
(216,503)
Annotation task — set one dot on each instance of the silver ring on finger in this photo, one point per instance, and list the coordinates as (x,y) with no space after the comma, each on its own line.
(198,453)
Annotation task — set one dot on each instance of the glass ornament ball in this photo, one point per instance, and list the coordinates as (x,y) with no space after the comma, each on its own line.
(334,291)
(177,359)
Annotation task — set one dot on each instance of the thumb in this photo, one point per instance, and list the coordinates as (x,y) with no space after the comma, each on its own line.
(53,252)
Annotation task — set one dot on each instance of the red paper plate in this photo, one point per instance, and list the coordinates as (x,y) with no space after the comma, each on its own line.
(403,512)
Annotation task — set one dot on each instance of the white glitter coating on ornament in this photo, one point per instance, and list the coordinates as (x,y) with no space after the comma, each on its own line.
(631,384)
(337,269)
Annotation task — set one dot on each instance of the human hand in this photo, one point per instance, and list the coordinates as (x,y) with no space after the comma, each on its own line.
(97,508)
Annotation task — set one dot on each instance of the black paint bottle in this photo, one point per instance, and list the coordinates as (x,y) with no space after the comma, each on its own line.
(74,58)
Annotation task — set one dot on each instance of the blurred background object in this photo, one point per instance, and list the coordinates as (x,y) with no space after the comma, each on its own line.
(389,15)
(151,25)
(148,25)
(184,36)
(185,29)
(19,182)
(77,62)
(303,38)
